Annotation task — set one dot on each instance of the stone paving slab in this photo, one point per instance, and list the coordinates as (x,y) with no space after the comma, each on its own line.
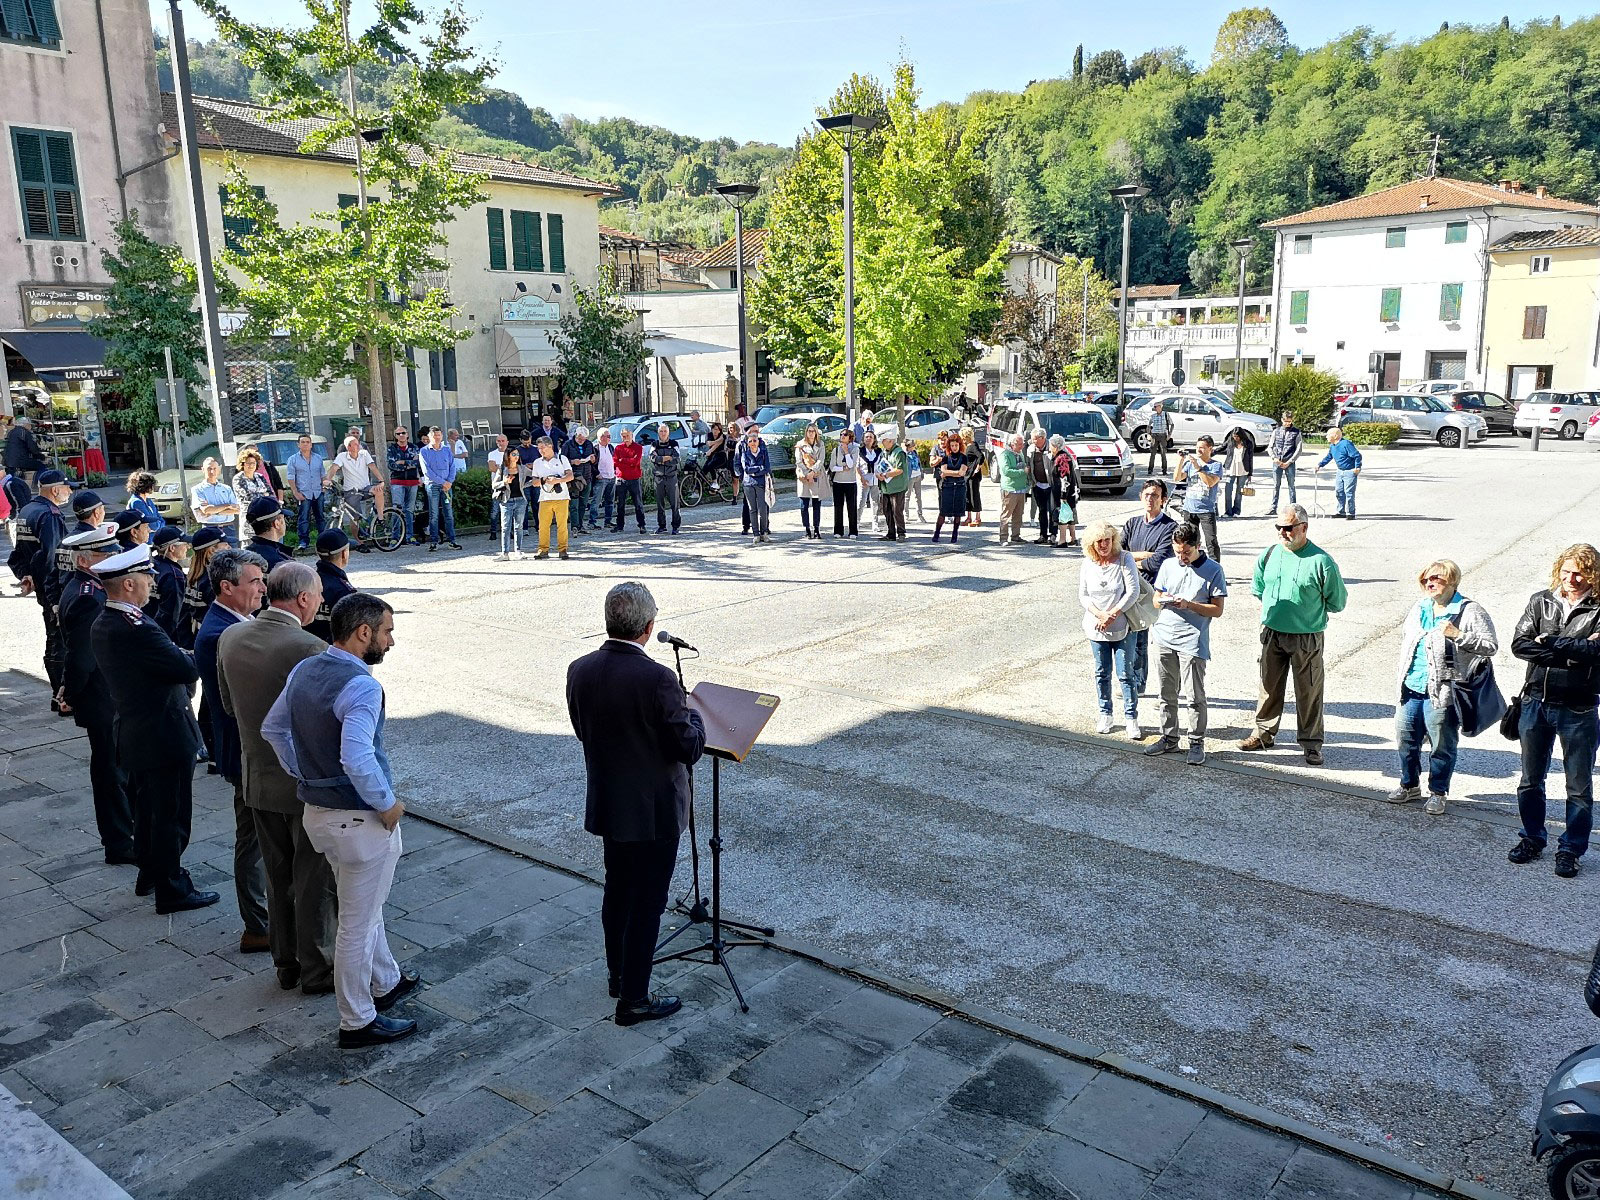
(180,1069)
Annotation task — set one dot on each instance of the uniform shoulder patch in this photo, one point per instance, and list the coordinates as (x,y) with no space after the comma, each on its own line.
(133,618)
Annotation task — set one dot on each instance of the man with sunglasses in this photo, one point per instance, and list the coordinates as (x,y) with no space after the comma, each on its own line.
(1298,585)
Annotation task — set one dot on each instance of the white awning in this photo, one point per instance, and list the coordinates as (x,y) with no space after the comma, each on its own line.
(524,350)
(664,345)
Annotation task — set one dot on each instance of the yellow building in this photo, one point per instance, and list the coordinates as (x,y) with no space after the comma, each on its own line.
(1542,325)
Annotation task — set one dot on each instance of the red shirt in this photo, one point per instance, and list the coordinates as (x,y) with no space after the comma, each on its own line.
(627,456)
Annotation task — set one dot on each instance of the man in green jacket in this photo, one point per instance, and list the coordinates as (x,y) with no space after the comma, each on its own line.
(1298,585)
(1014,487)
(894,480)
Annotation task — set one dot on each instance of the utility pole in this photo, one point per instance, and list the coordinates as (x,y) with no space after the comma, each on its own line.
(1243,246)
(378,439)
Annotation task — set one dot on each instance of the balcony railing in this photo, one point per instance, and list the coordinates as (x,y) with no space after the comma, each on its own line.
(1255,334)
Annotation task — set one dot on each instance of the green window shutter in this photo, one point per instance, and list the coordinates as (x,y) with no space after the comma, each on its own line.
(497,240)
(1450,302)
(521,260)
(1455,231)
(1298,304)
(28,150)
(65,205)
(236,229)
(14,20)
(1389,309)
(558,244)
(45,25)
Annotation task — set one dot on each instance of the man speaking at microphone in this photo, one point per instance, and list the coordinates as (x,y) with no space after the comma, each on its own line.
(639,740)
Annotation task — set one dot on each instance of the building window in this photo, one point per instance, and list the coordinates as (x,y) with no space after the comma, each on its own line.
(1395,238)
(527,242)
(1302,243)
(1454,232)
(1299,302)
(1533,322)
(51,204)
(1389,308)
(558,243)
(31,21)
(236,229)
(1539,264)
(1450,302)
(497,240)
(442,370)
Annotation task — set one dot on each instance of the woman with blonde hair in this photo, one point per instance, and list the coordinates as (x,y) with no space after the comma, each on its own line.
(250,482)
(1446,639)
(974,456)
(1108,586)
(810,477)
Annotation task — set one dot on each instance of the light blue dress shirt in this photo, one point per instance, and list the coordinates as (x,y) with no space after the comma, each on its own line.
(358,707)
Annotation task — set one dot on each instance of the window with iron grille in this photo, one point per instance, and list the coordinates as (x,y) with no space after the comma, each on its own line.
(1450,302)
(1389,307)
(47,175)
(1533,321)
(32,21)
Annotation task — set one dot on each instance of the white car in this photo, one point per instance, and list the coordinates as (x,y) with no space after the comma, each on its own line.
(1190,415)
(1439,387)
(1565,414)
(791,427)
(924,422)
(1105,462)
(1417,416)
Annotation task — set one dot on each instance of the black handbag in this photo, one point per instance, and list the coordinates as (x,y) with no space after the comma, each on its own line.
(1511,723)
(1477,701)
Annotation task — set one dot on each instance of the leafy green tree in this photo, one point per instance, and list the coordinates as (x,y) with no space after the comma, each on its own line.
(652,188)
(1106,69)
(1246,31)
(1304,391)
(151,309)
(1077,61)
(599,343)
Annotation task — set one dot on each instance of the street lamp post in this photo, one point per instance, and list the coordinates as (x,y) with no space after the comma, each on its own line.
(1127,193)
(737,196)
(378,438)
(1243,246)
(845,128)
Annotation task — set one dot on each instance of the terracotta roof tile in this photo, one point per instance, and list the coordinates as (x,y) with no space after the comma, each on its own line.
(1550,239)
(1153,291)
(755,241)
(1426,196)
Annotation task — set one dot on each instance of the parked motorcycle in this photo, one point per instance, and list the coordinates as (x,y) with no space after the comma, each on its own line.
(1569,1118)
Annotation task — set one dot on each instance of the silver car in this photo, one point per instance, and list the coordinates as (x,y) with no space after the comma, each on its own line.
(1417,415)
(1189,417)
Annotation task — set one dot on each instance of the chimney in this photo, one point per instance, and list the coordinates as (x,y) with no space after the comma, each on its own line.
(1426,199)
(1516,186)
(1542,192)
(1504,185)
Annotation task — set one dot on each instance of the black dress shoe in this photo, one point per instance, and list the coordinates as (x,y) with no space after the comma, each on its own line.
(288,978)
(317,989)
(651,1008)
(143,887)
(382,1031)
(407,985)
(185,903)
(614,986)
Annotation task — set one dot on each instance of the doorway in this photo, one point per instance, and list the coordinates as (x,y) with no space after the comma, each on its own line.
(1521,381)
(1391,373)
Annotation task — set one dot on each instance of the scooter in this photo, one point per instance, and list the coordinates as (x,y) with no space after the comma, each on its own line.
(1569,1117)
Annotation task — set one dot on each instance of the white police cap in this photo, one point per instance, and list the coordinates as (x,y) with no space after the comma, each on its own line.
(101,538)
(129,562)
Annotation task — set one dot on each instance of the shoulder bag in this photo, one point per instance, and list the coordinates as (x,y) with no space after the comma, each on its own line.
(1143,613)
(1477,700)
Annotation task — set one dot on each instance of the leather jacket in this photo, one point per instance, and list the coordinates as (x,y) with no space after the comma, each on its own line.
(1563,664)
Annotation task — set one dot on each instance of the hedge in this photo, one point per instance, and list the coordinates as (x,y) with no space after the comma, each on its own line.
(471,497)
(1378,433)
(1304,391)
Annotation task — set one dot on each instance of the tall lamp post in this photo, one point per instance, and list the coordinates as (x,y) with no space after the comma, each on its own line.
(378,439)
(1127,193)
(846,128)
(737,195)
(1243,246)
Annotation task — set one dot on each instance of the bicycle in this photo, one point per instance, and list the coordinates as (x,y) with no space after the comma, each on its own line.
(696,483)
(387,532)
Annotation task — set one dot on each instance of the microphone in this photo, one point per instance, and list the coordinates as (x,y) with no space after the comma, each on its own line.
(677,642)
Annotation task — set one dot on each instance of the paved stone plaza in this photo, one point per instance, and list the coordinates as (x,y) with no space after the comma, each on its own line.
(929,802)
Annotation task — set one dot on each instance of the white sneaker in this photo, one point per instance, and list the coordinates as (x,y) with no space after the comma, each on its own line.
(1404,795)
(502,558)
(1105,724)
(1133,731)
(1435,805)
(521,557)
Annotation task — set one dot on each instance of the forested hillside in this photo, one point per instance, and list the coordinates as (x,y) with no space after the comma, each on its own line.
(1260,128)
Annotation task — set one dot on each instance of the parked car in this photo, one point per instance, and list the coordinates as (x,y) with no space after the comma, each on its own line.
(1591,432)
(1105,463)
(1498,413)
(791,425)
(1346,390)
(1191,414)
(1438,387)
(644,432)
(275,448)
(771,412)
(1565,414)
(924,422)
(1417,416)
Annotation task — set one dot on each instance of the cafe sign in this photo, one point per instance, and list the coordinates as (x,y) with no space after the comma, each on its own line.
(61,306)
(529,308)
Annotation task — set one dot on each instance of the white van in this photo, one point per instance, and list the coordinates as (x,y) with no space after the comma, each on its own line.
(1105,463)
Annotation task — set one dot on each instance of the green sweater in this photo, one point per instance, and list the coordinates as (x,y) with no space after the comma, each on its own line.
(1013,472)
(1298,588)
(895,460)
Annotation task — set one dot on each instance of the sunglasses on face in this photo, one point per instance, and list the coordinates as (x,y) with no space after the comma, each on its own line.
(1435,579)
(1290,528)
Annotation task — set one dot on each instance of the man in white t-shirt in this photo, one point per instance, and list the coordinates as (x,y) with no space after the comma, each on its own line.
(553,475)
(460,449)
(356,472)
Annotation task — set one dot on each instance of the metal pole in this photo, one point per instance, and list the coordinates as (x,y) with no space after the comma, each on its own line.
(1122,308)
(221,415)
(1084,339)
(1238,333)
(738,258)
(378,437)
(849,283)
(177,436)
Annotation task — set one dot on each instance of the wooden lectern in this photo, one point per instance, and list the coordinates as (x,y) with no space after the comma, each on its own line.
(734,719)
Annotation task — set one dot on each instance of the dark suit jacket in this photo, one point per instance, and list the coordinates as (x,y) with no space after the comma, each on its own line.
(639,741)
(150,681)
(254,659)
(224,730)
(85,687)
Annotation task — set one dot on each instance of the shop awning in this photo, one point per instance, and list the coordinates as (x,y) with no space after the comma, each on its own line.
(61,353)
(664,345)
(524,350)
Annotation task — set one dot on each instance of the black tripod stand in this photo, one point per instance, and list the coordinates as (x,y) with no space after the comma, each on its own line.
(715,946)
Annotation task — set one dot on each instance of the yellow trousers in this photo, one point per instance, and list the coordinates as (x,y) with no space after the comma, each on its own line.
(553,513)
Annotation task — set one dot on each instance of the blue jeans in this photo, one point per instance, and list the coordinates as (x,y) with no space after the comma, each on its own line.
(438,499)
(600,498)
(1280,475)
(1138,643)
(1109,657)
(1415,720)
(1578,729)
(1344,492)
(630,489)
(578,508)
(309,507)
(511,513)
(1233,494)
(404,497)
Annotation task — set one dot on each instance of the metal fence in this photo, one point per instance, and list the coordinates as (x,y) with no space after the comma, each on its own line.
(264,397)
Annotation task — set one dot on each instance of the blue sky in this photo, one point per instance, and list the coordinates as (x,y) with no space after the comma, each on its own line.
(747,71)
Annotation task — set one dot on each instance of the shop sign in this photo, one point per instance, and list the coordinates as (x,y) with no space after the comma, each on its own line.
(529,308)
(61,306)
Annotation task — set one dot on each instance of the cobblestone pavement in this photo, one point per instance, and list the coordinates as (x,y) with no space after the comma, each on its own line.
(180,1069)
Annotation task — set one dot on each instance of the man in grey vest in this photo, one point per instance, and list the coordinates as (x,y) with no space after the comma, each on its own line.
(254,659)
(327,731)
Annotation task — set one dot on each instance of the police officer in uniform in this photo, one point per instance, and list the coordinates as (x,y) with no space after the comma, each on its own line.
(84,689)
(333,556)
(40,528)
(197,596)
(90,511)
(266,518)
(133,528)
(150,682)
(168,546)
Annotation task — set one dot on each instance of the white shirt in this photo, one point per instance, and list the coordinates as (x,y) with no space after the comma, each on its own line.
(604,461)
(354,473)
(496,457)
(461,451)
(548,470)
